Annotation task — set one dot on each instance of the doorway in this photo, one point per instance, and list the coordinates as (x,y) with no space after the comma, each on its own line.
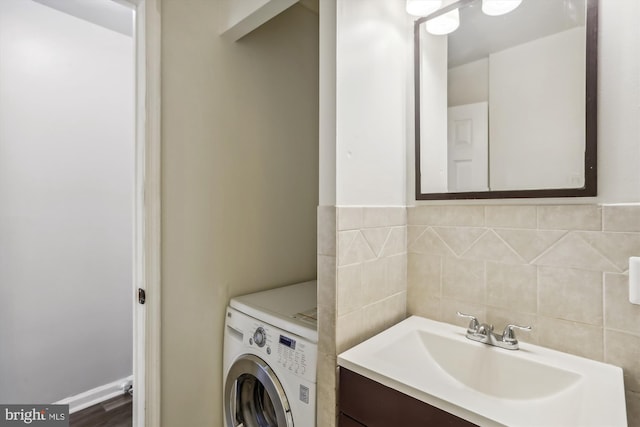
(75,237)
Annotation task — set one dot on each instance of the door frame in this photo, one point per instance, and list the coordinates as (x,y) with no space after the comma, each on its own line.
(147,209)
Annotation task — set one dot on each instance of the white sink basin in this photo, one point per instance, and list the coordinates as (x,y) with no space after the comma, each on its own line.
(489,386)
(491,371)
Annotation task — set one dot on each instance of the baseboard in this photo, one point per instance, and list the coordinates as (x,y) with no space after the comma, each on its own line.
(96,395)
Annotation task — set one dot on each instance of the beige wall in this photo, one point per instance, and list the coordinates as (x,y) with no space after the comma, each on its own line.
(434,145)
(66,193)
(468,83)
(523,154)
(240,168)
(370,54)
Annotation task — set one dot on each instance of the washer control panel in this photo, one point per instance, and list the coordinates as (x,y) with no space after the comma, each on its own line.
(284,351)
(292,355)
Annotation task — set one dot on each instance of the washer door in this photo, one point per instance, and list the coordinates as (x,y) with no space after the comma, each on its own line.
(254,397)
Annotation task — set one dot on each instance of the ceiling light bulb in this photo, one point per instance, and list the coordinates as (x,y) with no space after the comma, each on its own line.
(422,7)
(444,24)
(499,7)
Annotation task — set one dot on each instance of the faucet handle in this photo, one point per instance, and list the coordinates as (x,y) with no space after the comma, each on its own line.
(473,323)
(509,336)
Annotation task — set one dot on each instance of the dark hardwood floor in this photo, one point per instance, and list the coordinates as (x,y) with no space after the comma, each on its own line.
(115,412)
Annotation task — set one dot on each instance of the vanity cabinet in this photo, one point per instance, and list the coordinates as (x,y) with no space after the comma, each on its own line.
(367,403)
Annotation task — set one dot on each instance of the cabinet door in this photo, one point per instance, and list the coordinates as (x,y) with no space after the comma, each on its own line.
(346,421)
(376,405)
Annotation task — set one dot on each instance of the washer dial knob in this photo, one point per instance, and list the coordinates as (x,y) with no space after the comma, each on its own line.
(260,337)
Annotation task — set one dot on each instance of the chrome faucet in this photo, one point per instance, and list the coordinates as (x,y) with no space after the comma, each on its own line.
(483,332)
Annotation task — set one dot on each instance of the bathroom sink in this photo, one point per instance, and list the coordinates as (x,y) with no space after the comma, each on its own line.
(491,371)
(434,362)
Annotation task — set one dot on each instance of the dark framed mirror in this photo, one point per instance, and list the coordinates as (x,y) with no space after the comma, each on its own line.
(506,106)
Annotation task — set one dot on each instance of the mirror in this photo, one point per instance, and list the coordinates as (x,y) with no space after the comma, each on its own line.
(506,105)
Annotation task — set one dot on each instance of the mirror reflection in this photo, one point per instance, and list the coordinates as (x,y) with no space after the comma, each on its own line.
(502,96)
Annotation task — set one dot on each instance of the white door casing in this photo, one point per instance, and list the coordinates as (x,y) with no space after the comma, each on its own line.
(146,270)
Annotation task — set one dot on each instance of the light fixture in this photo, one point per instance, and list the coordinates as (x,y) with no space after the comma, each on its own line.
(422,7)
(444,24)
(499,7)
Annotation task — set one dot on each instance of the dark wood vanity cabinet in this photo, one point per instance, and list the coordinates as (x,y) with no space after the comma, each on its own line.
(367,403)
(346,421)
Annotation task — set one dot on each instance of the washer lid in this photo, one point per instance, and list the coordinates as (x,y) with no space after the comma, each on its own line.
(292,308)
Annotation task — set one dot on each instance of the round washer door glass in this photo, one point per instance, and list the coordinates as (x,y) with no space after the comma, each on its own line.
(254,396)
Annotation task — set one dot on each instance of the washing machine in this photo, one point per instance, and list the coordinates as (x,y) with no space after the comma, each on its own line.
(270,358)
